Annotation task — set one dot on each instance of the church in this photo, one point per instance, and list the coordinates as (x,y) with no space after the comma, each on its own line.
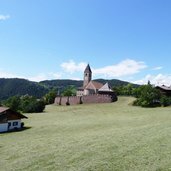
(91,87)
(90,92)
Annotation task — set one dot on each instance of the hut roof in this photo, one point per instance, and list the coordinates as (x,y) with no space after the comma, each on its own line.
(164,87)
(3,109)
(106,88)
(10,113)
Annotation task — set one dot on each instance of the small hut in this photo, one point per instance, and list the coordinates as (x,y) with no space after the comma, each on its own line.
(10,120)
(164,90)
(106,90)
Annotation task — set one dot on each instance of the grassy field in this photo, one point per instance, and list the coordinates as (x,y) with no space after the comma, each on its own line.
(96,137)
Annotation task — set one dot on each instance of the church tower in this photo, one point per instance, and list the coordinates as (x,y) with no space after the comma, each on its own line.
(87,76)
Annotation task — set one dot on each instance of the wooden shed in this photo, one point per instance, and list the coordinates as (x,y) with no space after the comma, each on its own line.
(10,120)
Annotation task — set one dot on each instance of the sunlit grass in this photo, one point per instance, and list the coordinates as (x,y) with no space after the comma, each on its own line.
(100,137)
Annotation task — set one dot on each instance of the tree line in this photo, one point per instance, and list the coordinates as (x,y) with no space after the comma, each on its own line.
(146,95)
(29,104)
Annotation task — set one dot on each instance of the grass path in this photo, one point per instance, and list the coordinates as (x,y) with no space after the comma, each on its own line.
(96,137)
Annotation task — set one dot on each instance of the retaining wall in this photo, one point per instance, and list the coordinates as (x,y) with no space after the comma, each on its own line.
(73,100)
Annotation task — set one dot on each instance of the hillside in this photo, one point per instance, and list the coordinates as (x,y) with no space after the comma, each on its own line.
(15,86)
(64,83)
(95,137)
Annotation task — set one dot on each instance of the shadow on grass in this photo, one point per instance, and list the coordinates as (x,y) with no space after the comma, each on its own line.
(16,130)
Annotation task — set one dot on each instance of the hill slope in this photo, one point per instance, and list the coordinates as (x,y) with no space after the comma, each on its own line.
(15,86)
(64,83)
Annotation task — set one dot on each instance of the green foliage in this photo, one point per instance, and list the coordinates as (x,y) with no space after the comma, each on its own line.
(13,103)
(165,101)
(126,90)
(26,104)
(50,97)
(69,91)
(19,87)
(60,84)
(147,96)
(30,104)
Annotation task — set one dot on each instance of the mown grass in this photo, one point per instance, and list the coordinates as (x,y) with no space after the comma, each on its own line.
(96,137)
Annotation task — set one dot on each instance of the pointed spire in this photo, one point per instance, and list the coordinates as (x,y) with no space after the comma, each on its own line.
(88,69)
(149,83)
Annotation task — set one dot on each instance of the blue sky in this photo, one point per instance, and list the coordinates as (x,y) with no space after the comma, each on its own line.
(55,39)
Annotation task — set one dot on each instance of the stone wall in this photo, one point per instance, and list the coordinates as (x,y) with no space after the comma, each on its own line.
(73,100)
(97,98)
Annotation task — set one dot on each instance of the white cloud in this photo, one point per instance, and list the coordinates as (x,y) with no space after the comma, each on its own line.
(72,66)
(159,79)
(37,78)
(75,78)
(124,68)
(4,17)
(157,68)
(4,74)
(43,76)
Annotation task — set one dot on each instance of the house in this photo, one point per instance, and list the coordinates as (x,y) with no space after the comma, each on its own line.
(10,120)
(164,90)
(106,90)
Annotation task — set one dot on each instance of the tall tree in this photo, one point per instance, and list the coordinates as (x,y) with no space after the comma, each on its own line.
(69,91)
(50,97)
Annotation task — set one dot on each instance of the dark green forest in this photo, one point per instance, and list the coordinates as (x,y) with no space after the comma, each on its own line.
(15,86)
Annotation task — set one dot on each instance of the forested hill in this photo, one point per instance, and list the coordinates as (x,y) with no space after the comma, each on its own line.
(64,83)
(15,86)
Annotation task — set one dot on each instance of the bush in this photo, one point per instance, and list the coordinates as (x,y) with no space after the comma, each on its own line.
(165,101)
(26,104)
(30,104)
(147,96)
(50,97)
(13,103)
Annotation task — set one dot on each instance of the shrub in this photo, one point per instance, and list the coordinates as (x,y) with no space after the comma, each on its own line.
(165,101)
(147,96)
(30,104)
(50,97)
(13,103)
(26,104)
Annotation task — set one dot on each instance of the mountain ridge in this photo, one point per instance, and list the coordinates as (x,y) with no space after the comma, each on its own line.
(18,86)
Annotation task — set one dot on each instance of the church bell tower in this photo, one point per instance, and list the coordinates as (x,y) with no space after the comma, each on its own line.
(87,76)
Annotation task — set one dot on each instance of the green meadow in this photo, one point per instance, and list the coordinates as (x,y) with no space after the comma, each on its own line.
(94,137)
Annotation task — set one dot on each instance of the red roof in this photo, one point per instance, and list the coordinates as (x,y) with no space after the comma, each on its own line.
(10,113)
(94,85)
